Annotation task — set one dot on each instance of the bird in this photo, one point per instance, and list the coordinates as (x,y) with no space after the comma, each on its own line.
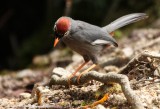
(89,40)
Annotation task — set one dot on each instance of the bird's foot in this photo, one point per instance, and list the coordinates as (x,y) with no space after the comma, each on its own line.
(85,71)
(73,74)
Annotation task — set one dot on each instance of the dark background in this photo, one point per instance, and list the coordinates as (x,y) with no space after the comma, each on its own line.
(26,25)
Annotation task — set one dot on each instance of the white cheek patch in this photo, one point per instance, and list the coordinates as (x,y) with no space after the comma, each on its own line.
(66,34)
(100,42)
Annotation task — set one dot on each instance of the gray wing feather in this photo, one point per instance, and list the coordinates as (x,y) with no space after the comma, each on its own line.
(124,20)
(93,34)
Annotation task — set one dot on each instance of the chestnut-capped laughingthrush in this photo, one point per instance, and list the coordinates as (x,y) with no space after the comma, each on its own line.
(89,40)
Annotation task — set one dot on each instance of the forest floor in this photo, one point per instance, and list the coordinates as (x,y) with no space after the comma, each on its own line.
(29,88)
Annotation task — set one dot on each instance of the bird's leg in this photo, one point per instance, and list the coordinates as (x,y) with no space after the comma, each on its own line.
(73,74)
(85,71)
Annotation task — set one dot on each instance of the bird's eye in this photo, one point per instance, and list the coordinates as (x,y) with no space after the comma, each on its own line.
(55,28)
(66,33)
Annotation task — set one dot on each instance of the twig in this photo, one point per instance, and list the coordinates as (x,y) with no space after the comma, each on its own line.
(60,77)
(144,80)
(152,81)
(135,61)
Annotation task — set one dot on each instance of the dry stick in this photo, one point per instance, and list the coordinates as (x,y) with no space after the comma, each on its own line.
(142,56)
(104,78)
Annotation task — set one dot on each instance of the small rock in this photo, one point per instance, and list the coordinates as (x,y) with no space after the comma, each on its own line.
(60,72)
(100,107)
(77,58)
(117,99)
(24,96)
(128,51)
(43,90)
(68,96)
(4,102)
(57,55)
(25,73)
(41,60)
(157,71)
(53,55)
(56,99)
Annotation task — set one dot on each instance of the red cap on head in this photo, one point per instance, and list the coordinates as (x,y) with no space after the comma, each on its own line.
(63,25)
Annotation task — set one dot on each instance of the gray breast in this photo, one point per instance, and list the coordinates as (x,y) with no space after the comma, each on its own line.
(80,47)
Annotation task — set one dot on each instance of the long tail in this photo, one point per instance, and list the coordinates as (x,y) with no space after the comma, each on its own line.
(124,20)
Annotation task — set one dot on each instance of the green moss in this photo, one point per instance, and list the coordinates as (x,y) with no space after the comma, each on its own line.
(64,103)
(86,102)
(118,34)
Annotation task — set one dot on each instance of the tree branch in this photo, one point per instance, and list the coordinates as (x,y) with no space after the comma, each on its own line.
(60,77)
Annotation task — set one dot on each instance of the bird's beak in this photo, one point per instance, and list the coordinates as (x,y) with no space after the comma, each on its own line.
(56,41)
